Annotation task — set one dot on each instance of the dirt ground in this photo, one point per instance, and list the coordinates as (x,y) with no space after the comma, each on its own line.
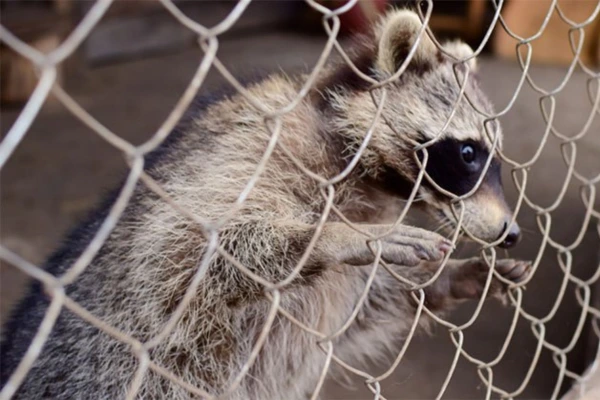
(62,168)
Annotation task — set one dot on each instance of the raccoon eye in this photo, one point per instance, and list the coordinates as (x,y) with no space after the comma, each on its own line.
(468,153)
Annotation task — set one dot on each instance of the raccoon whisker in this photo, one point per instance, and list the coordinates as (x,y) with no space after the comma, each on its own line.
(441,227)
(415,200)
(445,224)
(527,230)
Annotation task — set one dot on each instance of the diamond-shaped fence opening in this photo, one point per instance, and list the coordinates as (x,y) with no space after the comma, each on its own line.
(569,285)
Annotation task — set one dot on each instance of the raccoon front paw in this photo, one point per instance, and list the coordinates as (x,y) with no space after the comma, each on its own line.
(405,245)
(468,280)
(515,271)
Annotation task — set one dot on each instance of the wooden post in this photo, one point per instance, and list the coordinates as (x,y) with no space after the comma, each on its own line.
(525,18)
(19,76)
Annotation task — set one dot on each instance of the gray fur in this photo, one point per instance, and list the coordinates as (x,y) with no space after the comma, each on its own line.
(144,268)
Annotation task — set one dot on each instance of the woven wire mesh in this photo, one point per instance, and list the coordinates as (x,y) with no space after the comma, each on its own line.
(208,39)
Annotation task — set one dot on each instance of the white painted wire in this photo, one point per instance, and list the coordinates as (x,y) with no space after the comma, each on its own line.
(209,42)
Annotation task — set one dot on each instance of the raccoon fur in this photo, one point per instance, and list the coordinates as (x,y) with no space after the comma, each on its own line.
(141,273)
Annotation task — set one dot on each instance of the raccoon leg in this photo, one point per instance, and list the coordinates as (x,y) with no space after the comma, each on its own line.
(404,245)
(465,279)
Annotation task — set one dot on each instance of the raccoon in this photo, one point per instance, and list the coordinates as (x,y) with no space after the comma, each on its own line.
(140,275)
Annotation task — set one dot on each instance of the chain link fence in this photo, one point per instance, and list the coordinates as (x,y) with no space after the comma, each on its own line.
(208,38)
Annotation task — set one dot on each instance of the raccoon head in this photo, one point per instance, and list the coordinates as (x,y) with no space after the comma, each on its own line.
(416,112)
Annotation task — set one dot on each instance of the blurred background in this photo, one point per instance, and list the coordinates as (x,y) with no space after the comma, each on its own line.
(134,65)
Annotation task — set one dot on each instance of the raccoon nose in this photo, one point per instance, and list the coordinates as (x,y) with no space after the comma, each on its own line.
(513,236)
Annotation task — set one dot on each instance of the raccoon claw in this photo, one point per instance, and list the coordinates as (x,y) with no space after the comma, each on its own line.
(446,246)
(435,252)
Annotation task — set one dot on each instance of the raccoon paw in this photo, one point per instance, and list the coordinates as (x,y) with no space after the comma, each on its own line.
(405,245)
(468,280)
(515,271)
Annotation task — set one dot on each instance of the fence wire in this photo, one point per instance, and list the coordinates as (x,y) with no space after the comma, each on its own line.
(208,39)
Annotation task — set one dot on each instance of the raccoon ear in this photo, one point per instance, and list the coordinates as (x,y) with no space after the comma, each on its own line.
(398,32)
(462,51)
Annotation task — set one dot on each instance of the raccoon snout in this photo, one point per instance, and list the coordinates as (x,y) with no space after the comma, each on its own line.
(513,236)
